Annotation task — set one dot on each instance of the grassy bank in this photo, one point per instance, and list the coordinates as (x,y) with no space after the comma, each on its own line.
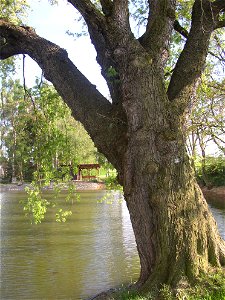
(207,287)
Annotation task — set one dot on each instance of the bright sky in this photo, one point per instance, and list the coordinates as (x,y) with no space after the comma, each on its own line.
(52,22)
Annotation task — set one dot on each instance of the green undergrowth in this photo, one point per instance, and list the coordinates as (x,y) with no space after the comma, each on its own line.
(207,287)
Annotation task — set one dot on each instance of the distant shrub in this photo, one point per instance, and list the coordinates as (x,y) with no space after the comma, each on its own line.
(111,183)
(213,174)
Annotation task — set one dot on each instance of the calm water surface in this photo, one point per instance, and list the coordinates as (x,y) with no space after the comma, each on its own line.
(218,210)
(93,251)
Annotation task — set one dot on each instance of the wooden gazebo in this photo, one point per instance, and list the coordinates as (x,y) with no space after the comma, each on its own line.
(88,168)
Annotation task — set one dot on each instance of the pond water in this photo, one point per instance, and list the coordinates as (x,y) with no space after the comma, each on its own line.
(93,251)
(218,210)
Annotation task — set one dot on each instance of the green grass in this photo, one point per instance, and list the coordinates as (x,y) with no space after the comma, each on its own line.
(207,287)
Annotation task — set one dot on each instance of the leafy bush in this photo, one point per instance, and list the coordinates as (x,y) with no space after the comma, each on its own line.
(111,183)
(213,173)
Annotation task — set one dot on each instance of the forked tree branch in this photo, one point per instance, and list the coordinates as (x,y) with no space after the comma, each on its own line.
(159,28)
(192,59)
(177,27)
(205,16)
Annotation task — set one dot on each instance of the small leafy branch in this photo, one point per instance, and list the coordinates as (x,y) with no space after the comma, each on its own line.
(35,206)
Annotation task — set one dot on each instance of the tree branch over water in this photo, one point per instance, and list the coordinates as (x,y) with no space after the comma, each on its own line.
(86,102)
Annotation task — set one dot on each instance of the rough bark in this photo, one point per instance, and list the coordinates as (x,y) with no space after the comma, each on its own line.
(140,132)
(158,31)
(175,232)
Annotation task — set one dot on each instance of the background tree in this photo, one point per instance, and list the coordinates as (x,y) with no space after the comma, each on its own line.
(12,139)
(205,125)
(39,135)
(141,130)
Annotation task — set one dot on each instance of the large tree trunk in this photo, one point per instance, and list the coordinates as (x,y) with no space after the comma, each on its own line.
(175,232)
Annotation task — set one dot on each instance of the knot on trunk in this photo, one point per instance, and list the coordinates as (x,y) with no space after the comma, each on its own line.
(151,168)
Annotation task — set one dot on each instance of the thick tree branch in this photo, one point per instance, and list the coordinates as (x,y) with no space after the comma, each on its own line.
(88,106)
(121,13)
(205,18)
(192,59)
(158,31)
(104,30)
(185,33)
(98,27)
